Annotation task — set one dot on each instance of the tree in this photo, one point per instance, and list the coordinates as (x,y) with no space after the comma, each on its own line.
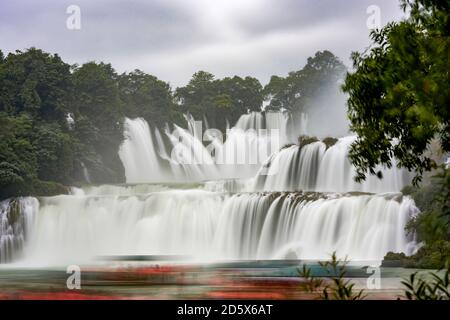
(197,97)
(35,82)
(54,153)
(295,92)
(399,93)
(98,115)
(146,96)
(18,162)
(220,99)
(246,95)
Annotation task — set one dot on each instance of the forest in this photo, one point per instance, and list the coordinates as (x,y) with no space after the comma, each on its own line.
(58,118)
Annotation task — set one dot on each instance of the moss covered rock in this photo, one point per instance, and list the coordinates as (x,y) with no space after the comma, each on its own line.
(305,140)
(48,188)
(329,141)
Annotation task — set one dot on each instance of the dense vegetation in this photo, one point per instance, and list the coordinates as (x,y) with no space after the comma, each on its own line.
(399,98)
(57,119)
(399,95)
(431,226)
(337,286)
(296,92)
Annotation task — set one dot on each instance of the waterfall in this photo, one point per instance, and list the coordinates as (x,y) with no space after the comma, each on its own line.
(193,193)
(246,153)
(312,225)
(16,218)
(315,167)
(86,175)
(198,155)
(139,155)
(205,225)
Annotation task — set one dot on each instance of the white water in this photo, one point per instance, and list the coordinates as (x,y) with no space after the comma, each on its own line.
(316,168)
(212,226)
(225,217)
(238,153)
(245,154)
(138,154)
(16,219)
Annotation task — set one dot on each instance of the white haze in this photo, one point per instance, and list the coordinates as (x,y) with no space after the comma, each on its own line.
(327,114)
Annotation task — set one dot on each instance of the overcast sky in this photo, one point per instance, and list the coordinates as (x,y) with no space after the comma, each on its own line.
(174,38)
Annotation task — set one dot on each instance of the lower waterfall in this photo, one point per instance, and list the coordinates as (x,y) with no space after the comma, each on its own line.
(208,226)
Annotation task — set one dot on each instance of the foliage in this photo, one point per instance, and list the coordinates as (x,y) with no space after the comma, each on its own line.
(57,119)
(399,101)
(96,103)
(35,82)
(338,289)
(146,96)
(418,288)
(431,226)
(435,255)
(48,188)
(219,100)
(398,104)
(432,286)
(310,284)
(434,202)
(18,163)
(295,92)
(54,153)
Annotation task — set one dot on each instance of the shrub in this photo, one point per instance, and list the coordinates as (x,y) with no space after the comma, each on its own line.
(419,288)
(338,288)
(48,188)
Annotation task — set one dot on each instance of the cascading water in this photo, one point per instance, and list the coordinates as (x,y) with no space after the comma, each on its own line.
(312,225)
(296,203)
(139,156)
(16,218)
(203,225)
(238,155)
(86,175)
(315,167)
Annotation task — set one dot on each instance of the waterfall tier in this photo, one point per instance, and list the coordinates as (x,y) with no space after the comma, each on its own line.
(247,153)
(316,167)
(16,218)
(211,226)
(195,154)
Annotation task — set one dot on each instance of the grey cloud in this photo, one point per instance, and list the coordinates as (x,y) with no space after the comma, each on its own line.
(293,14)
(174,38)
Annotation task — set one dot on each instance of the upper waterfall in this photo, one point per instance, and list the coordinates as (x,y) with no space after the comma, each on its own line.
(195,154)
(252,149)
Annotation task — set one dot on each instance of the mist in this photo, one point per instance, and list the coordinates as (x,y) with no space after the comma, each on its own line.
(327,114)
(324,115)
